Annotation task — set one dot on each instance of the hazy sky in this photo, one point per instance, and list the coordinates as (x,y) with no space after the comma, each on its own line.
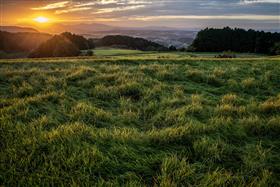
(257,14)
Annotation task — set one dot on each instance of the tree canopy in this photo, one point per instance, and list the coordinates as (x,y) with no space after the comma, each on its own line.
(238,40)
(129,43)
(57,46)
(81,42)
(21,42)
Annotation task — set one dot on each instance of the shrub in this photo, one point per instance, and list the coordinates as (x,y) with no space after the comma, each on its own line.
(275,50)
(226,54)
(172,48)
(89,53)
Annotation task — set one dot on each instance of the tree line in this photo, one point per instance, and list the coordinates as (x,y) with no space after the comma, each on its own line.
(63,45)
(66,44)
(21,42)
(237,40)
(128,42)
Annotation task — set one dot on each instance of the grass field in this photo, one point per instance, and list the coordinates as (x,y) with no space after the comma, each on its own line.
(115,52)
(140,121)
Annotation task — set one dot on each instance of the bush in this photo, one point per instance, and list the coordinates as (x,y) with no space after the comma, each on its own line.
(172,48)
(182,49)
(226,54)
(89,53)
(275,50)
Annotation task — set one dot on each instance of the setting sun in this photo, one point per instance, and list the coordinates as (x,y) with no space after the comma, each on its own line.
(41,19)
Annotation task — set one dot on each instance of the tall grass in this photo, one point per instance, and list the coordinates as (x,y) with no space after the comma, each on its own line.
(140,121)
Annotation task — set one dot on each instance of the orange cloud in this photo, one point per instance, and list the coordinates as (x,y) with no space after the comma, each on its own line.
(52,6)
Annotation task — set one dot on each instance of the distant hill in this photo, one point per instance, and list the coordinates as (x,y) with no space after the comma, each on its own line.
(82,28)
(46,45)
(128,42)
(88,28)
(21,42)
(15,29)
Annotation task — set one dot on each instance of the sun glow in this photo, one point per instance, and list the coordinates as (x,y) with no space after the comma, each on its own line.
(41,19)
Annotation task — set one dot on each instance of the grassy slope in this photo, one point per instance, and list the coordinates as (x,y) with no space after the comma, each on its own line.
(140,121)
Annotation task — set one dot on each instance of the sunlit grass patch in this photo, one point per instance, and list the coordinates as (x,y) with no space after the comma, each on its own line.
(195,107)
(230,106)
(219,72)
(271,105)
(229,99)
(196,75)
(226,110)
(104,92)
(66,132)
(176,135)
(81,72)
(89,114)
(249,83)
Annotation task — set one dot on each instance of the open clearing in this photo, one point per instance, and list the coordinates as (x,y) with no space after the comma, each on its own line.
(148,120)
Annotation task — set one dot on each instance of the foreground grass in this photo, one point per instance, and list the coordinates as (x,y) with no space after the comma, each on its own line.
(151,121)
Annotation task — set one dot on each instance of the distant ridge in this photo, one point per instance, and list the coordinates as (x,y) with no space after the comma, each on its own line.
(15,29)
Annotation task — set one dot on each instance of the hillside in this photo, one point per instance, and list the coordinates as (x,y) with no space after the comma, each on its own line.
(16,29)
(21,42)
(57,46)
(128,42)
(150,120)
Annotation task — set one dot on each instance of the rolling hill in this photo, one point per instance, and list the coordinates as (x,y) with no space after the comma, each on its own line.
(15,29)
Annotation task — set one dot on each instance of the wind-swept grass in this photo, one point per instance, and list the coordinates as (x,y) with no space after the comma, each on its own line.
(140,121)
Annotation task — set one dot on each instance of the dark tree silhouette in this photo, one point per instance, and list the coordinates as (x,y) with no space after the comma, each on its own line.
(57,46)
(172,48)
(129,43)
(275,50)
(81,42)
(238,40)
(21,42)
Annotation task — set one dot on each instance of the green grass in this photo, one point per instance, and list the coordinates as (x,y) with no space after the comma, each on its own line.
(116,52)
(101,52)
(150,120)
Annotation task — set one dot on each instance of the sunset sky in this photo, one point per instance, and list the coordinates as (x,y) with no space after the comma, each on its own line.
(189,14)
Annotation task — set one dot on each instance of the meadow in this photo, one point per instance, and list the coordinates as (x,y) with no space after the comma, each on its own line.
(140,120)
